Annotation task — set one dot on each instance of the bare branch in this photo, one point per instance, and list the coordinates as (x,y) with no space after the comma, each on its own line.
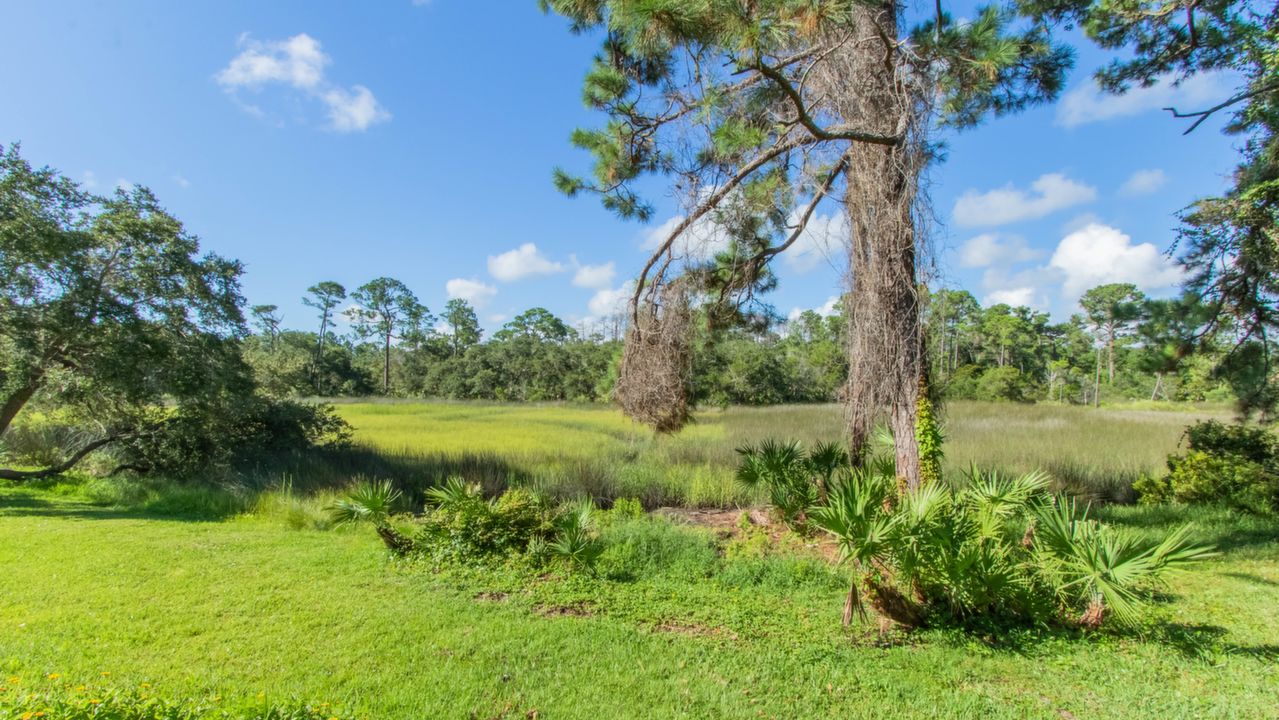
(706,206)
(82,453)
(1205,114)
(839,132)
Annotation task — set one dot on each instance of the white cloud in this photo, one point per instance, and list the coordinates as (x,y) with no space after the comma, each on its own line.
(473,291)
(1001,206)
(299,62)
(700,241)
(181,182)
(827,309)
(124,185)
(595,276)
(1086,103)
(611,301)
(1016,297)
(522,262)
(991,249)
(498,318)
(88,179)
(1143,182)
(1099,254)
(355,109)
(823,235)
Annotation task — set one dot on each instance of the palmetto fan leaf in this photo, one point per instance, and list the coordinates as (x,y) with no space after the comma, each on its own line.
(995,498)
(369,501)
(854,513)
(575,540)
(1104,569)
(454,493)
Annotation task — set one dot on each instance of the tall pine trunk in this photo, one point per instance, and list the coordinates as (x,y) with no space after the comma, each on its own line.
(386,365)
(885,347)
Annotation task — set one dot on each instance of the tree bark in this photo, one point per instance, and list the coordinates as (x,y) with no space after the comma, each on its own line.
(81,454)
(885,345)
(386,366)
(1096,383)
(18,399)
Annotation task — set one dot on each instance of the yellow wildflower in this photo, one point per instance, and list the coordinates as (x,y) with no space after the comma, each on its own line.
(95,701)
(54,676)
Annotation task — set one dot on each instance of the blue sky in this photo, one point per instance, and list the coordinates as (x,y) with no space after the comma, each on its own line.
(345,141)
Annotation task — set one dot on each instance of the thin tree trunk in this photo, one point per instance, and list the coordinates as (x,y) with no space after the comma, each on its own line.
(1159,377)
(1096,385)
(1110,356)
(386,366)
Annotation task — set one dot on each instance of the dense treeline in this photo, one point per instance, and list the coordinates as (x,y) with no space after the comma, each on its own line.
(1123,345)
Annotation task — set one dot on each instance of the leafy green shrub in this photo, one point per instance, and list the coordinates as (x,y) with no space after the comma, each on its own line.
(623,510)
(1002,383)
(191,441)
(465,526)
(945,553)
(795,479)
(1235,465)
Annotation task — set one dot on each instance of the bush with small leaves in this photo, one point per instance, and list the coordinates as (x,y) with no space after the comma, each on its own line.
(1234,465)
(465,526)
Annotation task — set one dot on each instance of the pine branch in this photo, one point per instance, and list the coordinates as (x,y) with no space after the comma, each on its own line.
(1205,114)
(707,205)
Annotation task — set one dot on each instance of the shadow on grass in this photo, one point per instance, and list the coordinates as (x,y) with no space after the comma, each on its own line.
(26,505)
(1193,641)
(1250,578)
(413,473)
(1226,529)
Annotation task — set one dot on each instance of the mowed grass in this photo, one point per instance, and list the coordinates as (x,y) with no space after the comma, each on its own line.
(592,450)
(243,607)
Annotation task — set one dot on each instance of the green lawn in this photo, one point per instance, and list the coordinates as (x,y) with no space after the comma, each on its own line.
(241,606)
(238,607)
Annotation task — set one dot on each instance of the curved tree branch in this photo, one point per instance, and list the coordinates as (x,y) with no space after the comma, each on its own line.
(1203,115)
(710,204)
(839,132)
(82,453)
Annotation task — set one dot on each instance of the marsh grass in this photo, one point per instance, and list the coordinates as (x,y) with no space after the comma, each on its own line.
(571,452)
(575,451)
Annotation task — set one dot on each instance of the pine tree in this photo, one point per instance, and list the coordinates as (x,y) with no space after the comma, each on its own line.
(760,111)
(1229,244)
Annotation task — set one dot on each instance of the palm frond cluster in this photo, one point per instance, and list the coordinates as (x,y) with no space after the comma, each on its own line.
(990,546)
(461,524)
